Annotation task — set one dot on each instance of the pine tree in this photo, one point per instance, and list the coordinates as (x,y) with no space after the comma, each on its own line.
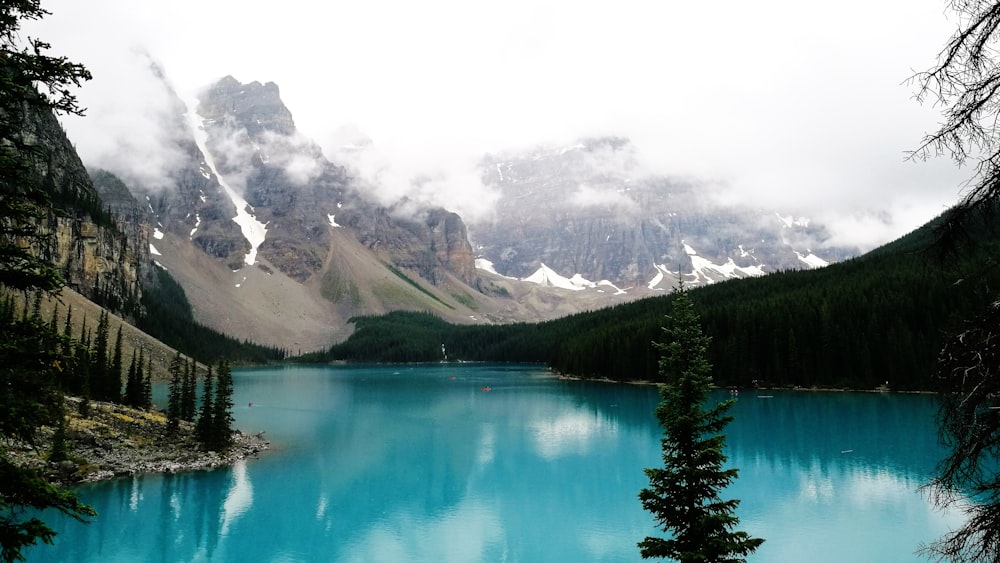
(174,393)
(188,393)
(81,363)
(203,426)
(684,494)
(54,322)
(99,376)
(57,451)
(222,415)
(147,385)
(129,394)
(68,333)
(115,370)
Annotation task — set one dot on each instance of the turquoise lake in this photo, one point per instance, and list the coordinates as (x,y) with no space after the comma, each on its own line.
(420,463)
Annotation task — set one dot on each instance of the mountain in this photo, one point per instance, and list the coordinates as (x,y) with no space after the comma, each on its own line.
(99,255)
(873,322)
(275,244)
(589,211)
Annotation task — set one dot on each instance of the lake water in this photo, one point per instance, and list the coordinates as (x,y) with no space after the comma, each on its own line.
(421,463)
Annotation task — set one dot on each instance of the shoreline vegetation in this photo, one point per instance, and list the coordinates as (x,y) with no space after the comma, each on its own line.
(879,389)
(116,441)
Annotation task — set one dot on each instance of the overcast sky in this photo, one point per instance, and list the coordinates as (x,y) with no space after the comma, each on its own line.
(799,105)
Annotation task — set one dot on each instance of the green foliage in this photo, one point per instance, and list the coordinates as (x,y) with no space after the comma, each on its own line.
(24,488)
(188,384)
(221,433)
(684,495)
(214,426)
(57,451)
(147,385)
(115,369)
(853,324)
(203,427)
(416,285)
(169,319)
(174,394)
(31,366)
(337,288)
(133,382)
(417,337)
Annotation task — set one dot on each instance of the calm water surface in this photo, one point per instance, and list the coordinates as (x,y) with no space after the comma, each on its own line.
(410,464)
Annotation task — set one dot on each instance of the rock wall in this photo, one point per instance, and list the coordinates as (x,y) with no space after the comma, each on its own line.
(99,255)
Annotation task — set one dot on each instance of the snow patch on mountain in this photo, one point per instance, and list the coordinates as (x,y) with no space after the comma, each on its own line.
(548,277)
(661,271)
(487,266)
(812,260)
(707,271)
(607,283)
(253,230)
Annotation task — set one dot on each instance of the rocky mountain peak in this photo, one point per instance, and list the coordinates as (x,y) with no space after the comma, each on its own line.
(591,209)
(254,106)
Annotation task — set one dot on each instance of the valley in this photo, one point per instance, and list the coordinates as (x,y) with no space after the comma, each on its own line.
(275,244)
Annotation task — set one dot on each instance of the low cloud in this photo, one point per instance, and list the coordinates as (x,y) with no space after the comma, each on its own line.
(866,230)
(299,157)
(606,197)
(820,127)
(409,185)
(139,125)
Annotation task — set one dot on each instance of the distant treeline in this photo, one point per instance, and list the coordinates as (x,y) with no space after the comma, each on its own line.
(860,323)
(168,317)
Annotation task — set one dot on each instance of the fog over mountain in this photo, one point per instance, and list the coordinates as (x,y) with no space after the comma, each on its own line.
(781,102)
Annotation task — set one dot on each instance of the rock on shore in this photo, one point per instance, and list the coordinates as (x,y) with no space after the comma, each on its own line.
(117,441)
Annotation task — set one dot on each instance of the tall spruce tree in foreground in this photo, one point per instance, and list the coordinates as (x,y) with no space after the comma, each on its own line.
(965,84)
(684,495)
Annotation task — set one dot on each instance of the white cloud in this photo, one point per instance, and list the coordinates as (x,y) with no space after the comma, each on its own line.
(782,101)
(589,196)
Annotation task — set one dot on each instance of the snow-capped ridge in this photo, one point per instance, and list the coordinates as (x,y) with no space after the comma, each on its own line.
(706,271)
(548,277)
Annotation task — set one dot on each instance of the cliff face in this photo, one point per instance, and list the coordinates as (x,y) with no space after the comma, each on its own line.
(98,255)
(299,195)
(590,209)
(274,243)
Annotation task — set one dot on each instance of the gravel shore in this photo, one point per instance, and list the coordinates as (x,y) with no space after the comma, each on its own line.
(117,441)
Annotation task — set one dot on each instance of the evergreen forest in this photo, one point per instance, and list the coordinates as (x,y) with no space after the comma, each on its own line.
(166,315)
(876,320)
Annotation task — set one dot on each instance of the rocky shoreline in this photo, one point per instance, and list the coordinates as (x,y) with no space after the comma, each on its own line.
(116,441)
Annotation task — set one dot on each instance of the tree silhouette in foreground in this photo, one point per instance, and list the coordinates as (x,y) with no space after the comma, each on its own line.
(969,372)
(965,82)
(684,495)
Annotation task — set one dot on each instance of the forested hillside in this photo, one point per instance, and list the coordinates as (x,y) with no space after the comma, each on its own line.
(167,316)
(861,323)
